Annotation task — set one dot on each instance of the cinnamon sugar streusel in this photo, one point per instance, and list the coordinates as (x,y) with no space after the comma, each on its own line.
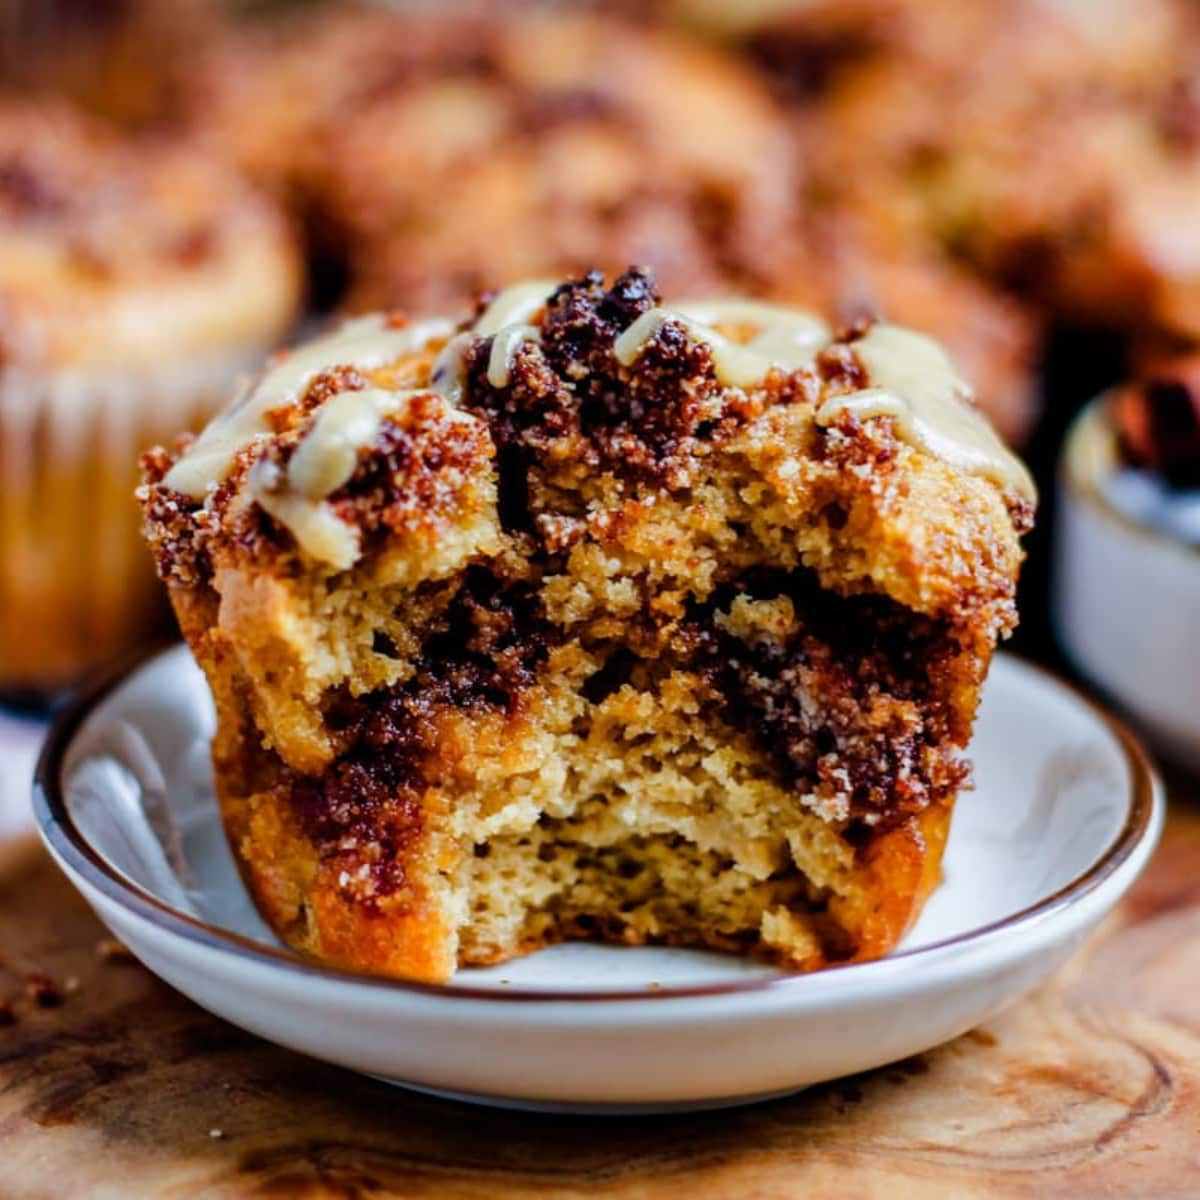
(586,617)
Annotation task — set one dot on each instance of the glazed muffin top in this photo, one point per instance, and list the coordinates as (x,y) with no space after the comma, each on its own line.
(117,254)
(560,418)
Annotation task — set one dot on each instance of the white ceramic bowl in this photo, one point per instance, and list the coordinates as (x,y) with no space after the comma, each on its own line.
(1126,597)
(1064,815)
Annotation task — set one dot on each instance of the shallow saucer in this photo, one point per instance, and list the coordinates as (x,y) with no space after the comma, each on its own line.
(1065,813)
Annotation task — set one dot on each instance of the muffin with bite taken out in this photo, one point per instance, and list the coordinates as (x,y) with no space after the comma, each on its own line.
(587,616)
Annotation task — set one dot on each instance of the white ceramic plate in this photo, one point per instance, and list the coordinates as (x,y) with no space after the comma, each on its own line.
(1064,816)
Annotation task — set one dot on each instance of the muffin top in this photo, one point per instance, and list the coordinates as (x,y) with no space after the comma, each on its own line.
(117,254)
(580,415)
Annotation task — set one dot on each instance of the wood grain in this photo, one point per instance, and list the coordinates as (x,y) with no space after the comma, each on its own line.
(1091,1088)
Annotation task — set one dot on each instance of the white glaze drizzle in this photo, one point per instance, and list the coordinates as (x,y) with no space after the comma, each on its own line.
(505,345)
(328,454)
(315,525)
(366,342)
(507,320)
(448,375)
(785,338)
(515,305)
(911,377)
(913,381)
(323,461)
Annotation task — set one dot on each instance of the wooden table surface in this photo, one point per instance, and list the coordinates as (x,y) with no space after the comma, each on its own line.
(1091,1088)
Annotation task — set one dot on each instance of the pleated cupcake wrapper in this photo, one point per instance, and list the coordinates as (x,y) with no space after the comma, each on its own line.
(76,582)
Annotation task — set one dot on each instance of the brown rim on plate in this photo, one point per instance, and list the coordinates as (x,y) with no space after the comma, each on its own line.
(61,835)
(1086,458)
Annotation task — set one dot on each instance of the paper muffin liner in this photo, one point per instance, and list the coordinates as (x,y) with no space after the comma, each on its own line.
(77,584)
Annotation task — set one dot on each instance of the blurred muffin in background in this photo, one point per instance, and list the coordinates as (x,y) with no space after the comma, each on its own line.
(126,60)
(1052,146)
(445,153)
(274,93)
(563,143)
(136,280)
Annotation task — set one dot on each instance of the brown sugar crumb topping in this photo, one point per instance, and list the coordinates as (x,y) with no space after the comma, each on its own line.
(838,365)
(570,396)
(120,207)
(411,477)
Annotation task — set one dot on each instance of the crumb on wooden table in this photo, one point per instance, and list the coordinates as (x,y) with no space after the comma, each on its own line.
(42,990)
(110,950)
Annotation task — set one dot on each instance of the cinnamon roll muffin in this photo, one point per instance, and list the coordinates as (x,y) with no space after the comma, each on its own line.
(136,281)
(586,617)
